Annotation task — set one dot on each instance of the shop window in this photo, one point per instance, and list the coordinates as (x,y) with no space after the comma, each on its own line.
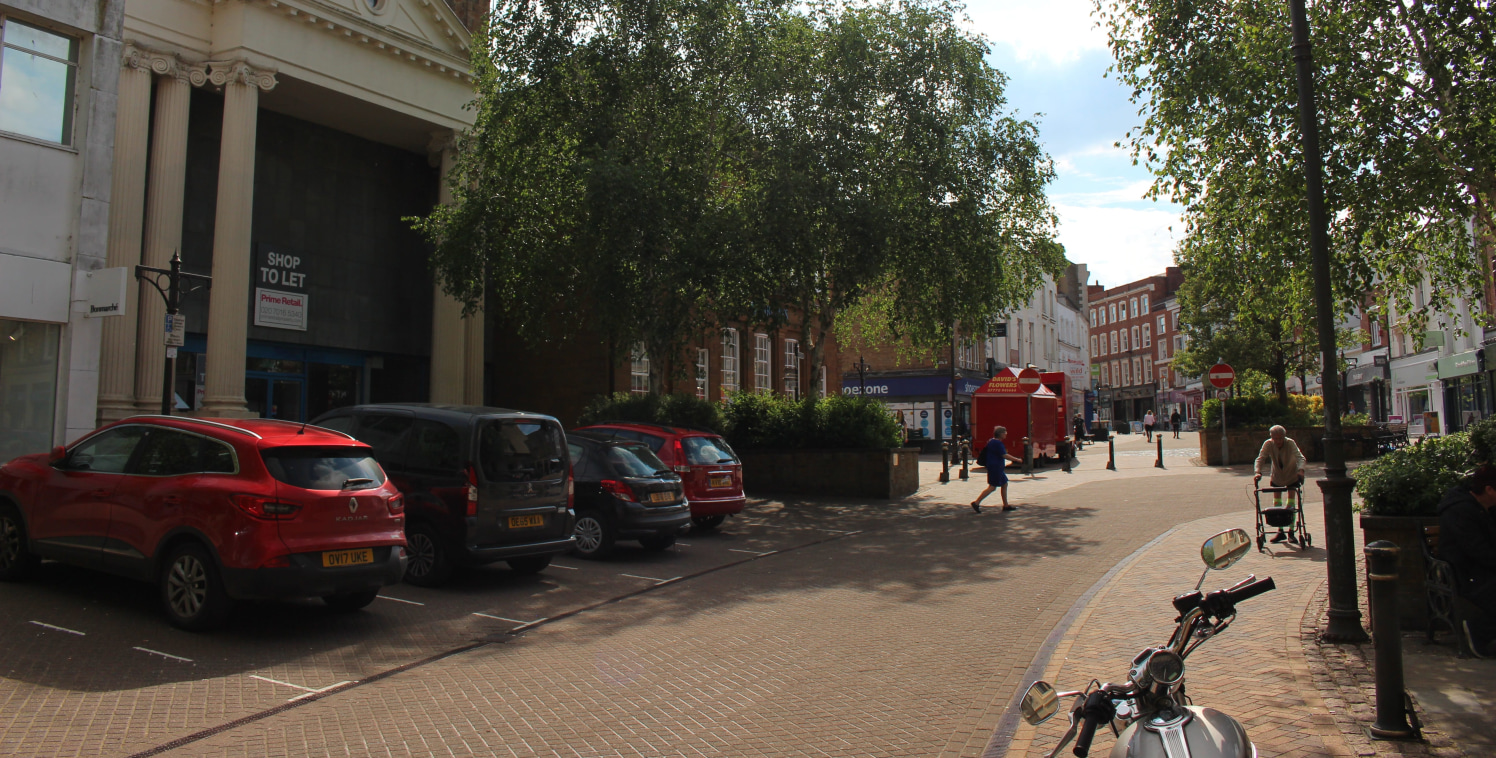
(762,355)
(729,360)
(703,369)
(638,370)
(28,386)
(792,368)
(38,74)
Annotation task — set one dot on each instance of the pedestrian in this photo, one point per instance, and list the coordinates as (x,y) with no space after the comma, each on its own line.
(1148,424)
(995,457)
(1175,421)
(1283,462)
(1079,425)
(1467,539)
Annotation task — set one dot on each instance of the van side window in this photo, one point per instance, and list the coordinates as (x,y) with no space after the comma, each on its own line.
(386,434)
(432,447)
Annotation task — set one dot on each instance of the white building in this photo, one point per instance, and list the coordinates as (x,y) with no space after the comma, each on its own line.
(1050,332)
(1440,359)
(58,80)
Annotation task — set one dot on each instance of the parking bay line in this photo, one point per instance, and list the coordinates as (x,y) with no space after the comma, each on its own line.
(568,568)
(164,655)
(399,600)
(750,552)
(512,621)
(59,628)
(309,691)
(651,579)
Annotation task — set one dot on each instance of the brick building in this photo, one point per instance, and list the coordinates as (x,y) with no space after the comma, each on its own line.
(1126,323)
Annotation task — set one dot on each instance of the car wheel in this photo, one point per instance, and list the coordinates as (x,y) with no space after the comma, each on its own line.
(191,591)
(657,542)
(594,534)
(348,602)
(709,522)
(428,562)
(16,560)
(533,564)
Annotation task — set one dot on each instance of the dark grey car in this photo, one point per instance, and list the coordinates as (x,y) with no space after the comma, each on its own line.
(481,484)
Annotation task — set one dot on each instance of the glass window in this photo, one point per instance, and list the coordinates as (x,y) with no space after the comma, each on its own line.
(28,386)
(168,452)
(520,451)
(331,386)
(1093,317)
(386,434)
(762,355)
(433,447)
(1147,371)
(707,450)
(37,75)
(634,460)
(729,360)
(107,452)
(1126,374)
(1147,335)
(1093,345)
(638,370)
(1106,375)
(1143,305)
(1112,313)
(1137,371)
(792,367)
(584,466)
(1125,344)
(703,370)
(1134,303)
(323,468)
(1135,342)
(653,442)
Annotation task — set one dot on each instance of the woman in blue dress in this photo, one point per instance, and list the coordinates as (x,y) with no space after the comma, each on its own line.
(995,457)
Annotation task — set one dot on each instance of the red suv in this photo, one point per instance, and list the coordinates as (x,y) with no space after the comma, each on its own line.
(709,469)
(212,511)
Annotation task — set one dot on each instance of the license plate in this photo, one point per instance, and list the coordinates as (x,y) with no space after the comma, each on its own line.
(339,558)
(521,522)
(662,497)
(724,480)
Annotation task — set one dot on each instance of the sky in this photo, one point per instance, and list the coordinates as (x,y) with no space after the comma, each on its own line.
(1055,57)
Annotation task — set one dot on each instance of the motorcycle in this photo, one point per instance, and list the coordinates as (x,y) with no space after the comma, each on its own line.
(1150,714)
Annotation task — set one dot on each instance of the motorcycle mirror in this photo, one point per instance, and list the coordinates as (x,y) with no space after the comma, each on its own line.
(1224,549)
(1040,703)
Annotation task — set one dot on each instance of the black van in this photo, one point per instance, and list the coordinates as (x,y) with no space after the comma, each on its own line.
(481,484)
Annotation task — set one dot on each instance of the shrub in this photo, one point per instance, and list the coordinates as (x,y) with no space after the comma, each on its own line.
(1355,419)
(1483,441)
(1410,481)
(1263,412)
(650,408)
(766,421)
(1304,410)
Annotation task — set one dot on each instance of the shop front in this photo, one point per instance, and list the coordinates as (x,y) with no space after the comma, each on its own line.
(1367,390)
(1417,396)
(921,402)
(1466,396)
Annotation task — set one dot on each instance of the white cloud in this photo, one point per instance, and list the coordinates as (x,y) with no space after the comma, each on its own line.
(1058,31)
(1119,245)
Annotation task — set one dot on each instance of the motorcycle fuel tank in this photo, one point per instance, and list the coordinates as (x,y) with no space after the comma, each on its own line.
(1195,733)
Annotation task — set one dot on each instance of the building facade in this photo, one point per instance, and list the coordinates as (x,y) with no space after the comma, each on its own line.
(1124,327)
(59,70)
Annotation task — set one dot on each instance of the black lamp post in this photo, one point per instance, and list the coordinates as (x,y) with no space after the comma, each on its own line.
(1344,614)
(862,367)
(172,283)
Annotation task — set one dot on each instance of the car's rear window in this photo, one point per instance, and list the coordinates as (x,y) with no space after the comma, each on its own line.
(521,451)
(635,459)
(702,451)
(323,468)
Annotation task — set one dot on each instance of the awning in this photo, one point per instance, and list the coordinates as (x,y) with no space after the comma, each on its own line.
(1458,365)
(1365,375)
(1415,374)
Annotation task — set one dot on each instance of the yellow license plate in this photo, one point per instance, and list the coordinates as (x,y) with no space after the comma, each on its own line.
(721,481)
(662,497)
(520,522)
(341,558)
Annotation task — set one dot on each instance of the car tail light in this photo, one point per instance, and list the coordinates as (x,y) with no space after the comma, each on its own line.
(472,493)
(615,487)
(571,493)
(277,562)
(266,508)
(680,459)
(396,504)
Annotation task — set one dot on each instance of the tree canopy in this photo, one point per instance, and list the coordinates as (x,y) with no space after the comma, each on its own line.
(1404,92)
(649,169)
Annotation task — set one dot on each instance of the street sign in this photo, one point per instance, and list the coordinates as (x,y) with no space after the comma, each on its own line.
(1222,376)
(1029,381)
(176,330)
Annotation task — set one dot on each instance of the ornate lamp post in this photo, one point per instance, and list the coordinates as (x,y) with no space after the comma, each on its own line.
(862,367)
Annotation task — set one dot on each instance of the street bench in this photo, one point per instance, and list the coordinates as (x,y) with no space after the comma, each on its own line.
(1446,608)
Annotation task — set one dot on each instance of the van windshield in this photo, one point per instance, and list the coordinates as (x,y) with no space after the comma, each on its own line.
(706,451)
(514,450)
(323,468)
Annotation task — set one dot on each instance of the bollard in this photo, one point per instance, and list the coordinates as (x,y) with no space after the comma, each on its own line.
(965,446)
(1159,462)
(1111,455)
(1392,701)
(945,462)
(1066,452)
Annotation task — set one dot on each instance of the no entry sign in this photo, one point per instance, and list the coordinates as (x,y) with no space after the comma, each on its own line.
(1222,375)
(1029,381)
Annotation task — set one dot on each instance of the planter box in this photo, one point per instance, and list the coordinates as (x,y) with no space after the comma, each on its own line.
(1244,444)
(884,474)
(1407,533)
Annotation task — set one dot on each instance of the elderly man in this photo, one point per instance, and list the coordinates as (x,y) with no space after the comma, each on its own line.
(1283,463)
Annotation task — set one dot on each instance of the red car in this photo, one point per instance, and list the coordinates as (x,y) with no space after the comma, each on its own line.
(211,511)
(709,469)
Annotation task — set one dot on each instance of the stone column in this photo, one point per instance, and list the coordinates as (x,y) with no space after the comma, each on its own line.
(228,307)
(163,217)
(472,381)
(449,332)
(132,132)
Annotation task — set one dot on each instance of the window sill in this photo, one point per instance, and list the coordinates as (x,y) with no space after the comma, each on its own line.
(39,142)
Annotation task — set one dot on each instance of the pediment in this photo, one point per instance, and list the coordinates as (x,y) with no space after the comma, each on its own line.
(425,26)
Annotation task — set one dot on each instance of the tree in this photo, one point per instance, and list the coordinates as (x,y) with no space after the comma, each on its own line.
(1404,94)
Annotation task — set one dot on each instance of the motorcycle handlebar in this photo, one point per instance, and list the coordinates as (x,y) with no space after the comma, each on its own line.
(1250,591)
(1097,710)
(1222,602)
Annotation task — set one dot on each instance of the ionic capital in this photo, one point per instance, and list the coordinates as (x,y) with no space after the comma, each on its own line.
(240,71)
